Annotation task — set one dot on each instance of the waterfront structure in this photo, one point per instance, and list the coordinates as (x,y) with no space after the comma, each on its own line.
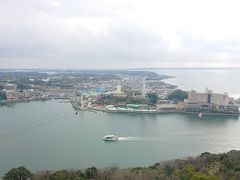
(209,102)
(130,108)
(232,109)
(199,107)
(208,97)
(10,90)
(11,94)
(167,107)
(82,102)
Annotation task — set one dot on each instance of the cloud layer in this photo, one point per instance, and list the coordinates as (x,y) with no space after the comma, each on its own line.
(119,33)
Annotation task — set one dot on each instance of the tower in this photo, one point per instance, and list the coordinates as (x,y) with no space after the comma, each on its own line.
(143,87)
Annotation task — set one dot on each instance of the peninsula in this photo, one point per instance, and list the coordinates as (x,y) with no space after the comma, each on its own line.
(111,91)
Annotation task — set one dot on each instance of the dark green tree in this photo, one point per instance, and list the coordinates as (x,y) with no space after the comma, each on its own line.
(152,97)
(91,173)
(20,173)
(3,95)
(178,95)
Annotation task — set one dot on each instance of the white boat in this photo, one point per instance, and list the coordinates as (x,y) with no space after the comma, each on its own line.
(200,114)
(110,138)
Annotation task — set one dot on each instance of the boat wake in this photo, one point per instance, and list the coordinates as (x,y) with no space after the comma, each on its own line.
(136,139)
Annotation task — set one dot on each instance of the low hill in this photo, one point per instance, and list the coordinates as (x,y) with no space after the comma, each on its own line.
(207,166)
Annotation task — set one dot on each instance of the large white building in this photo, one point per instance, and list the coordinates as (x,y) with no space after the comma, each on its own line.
(10,90)
(209,102)
(208,97)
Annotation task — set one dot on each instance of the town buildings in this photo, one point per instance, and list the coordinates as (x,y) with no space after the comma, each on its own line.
(209,101)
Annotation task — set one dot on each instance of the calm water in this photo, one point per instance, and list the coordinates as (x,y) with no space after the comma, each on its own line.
(219,80)
(48,135)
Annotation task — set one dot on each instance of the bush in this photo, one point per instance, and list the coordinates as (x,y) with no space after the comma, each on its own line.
(189,173)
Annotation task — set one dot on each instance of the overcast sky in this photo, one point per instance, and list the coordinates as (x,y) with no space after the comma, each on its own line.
(119,33)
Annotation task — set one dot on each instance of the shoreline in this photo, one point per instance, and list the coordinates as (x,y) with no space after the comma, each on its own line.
(152,112)
(103,109)
(7,102)
(191,167)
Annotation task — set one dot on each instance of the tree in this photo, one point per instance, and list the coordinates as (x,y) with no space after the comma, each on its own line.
(3,95)
(189,173)
(152,97)
(20,173)
(91,173)
(178,95)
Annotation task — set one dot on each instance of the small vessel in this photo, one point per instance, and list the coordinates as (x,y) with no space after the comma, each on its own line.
(110,138)
(200,114)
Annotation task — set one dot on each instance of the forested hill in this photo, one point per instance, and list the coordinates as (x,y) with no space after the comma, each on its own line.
(207,166)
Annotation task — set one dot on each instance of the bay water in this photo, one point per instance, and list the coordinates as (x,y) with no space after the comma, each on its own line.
(50,136)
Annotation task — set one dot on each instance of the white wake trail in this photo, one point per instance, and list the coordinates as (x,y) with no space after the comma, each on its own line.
(129,138)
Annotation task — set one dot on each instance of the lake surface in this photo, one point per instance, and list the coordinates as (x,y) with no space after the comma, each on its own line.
(48,135)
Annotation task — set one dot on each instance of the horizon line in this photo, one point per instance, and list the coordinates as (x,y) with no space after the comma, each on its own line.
(148,68)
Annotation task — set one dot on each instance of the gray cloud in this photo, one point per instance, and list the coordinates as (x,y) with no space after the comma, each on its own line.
(102,34)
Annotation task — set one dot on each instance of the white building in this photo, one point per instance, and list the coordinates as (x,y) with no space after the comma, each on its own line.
(209,102)
(10,90)
(208,97)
